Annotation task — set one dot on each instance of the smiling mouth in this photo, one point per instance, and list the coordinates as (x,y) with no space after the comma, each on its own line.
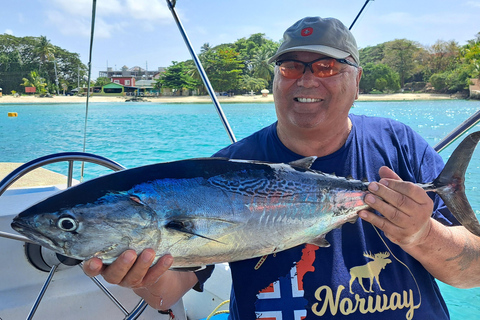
(307,100)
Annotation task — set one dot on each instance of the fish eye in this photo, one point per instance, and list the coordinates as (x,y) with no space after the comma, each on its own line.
(67,223)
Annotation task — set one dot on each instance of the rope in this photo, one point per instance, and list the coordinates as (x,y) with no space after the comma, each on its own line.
(402,263)
(216,312)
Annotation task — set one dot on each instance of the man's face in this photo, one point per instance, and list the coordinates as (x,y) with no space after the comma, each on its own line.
(311,102)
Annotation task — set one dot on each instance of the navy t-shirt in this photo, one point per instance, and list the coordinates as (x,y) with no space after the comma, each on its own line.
(362,275)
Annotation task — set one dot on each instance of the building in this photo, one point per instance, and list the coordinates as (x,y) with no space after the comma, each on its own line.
(124,81)
(136,72)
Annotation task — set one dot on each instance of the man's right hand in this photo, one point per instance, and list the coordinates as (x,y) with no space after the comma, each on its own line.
(160,287)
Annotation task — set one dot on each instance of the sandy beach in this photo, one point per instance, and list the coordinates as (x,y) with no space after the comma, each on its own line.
(8,99)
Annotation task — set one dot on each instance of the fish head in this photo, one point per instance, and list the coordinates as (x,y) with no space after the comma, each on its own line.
(103,229)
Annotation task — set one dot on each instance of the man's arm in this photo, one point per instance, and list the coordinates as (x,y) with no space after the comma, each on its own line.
(161,288)
(450,254)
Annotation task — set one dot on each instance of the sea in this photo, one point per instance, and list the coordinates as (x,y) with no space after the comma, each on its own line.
(135,134)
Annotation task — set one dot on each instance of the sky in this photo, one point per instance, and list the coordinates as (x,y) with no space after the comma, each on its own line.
(143,32)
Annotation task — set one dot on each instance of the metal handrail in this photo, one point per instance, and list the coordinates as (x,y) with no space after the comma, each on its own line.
(458,131)
(57,157)
(49,159)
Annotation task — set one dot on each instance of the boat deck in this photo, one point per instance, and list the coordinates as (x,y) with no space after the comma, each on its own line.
(36,178)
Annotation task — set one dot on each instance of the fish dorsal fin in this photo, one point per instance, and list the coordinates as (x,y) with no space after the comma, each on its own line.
(320,241)
(304,163)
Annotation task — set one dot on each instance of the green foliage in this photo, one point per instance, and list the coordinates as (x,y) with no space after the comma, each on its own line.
(223,68)
(379,77)
(399,55)
(470,54)
(101,81)
(21,55)
(35,81)
(176,77)
(259,63)
(451,81)
(249,83)
(373,54)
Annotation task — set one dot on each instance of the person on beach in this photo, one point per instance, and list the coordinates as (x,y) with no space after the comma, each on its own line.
(384,265)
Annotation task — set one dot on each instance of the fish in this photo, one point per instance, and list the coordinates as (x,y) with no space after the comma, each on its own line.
(212,210)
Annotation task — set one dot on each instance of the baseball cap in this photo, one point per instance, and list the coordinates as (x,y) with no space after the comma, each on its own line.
(327,36)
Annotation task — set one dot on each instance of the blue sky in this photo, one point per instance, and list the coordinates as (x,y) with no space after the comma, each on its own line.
(143,32)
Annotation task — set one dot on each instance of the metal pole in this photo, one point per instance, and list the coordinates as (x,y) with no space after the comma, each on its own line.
(15,237)
(42,292)
(458,132)
(94,9)
(211,92)
(358,15)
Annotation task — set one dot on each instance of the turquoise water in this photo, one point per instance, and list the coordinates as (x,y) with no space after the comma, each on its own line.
(143,133)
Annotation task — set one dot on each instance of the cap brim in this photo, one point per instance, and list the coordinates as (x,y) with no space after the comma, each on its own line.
(328,51)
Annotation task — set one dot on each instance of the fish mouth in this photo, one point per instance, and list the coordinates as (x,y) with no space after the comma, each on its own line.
(23,228)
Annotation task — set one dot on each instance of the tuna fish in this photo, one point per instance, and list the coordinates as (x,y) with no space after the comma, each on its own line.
(212,210)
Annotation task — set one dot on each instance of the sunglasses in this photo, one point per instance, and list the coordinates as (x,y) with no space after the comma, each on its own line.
(321,68)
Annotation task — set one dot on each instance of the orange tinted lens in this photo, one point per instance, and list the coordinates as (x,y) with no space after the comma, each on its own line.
(291,69)
(326,68)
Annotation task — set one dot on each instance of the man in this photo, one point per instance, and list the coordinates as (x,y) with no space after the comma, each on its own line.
(382,266)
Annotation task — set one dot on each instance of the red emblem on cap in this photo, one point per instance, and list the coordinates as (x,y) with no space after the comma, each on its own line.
(307,31)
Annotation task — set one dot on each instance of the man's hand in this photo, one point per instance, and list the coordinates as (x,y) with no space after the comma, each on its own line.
(160,287)
(406,209)
(129,270)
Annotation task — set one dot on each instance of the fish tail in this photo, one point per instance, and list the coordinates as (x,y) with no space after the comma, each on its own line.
(450,184)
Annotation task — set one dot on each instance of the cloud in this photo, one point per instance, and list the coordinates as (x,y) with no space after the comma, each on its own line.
(74,17)
(81,26)
(475,4)
(9,31)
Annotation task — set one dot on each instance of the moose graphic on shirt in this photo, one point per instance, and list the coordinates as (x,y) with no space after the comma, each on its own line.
(371,270)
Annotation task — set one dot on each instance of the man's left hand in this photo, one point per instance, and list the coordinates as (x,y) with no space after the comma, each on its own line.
(405,207)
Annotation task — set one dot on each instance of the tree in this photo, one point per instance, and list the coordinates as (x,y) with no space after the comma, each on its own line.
(470,54)
(35,81)
(223,68)
(206,47)
(21,55)
(259,62)
(379,77)
(443,56)
(249,83)
(176,77)
(399,55)
(373,54)
(44,50)
(101,81)
(248,48)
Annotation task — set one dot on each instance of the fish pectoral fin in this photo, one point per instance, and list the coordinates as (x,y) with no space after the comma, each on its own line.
(304,163)
(186,227)
(185,269)
(320,241)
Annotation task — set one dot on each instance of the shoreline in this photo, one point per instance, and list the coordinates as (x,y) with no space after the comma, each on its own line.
(8,99)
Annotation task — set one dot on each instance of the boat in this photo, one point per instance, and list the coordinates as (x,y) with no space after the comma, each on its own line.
(48,286)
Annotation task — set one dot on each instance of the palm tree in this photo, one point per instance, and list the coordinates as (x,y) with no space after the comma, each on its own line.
(46,52)
(35,81)
(206,47)
(249,83)
(260,66)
